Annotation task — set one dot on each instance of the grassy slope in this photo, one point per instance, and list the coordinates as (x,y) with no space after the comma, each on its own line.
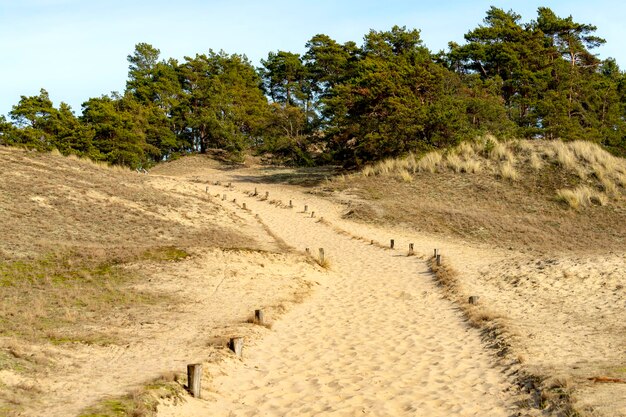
(443,196)
(69,227)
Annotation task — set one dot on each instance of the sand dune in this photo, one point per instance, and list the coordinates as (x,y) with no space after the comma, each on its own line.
(378,339)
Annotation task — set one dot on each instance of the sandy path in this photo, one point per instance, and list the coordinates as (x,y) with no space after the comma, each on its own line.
(377,340)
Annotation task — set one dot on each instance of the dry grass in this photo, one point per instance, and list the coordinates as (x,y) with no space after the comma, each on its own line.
(501,152)
(62,203)
(62,297)
(141,402)
(564,155)
(516,202)
(508,171)
(581,196)
(405,176)
(511,160)
(429,162)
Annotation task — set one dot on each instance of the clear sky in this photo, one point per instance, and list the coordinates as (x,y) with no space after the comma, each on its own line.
(77,49)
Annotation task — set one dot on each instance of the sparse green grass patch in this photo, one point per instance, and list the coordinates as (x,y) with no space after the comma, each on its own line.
(56,298)
(140,403)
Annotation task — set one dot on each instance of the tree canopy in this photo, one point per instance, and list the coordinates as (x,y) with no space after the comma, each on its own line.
(347,103)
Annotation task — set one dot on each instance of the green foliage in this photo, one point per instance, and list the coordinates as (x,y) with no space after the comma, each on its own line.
(344,102)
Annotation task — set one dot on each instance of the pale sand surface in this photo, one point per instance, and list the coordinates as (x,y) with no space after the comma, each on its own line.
(378,339)
(216,291)
(567,313)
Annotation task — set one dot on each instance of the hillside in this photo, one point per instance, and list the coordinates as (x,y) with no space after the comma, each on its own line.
(100,266)
(532,196)
(98,314)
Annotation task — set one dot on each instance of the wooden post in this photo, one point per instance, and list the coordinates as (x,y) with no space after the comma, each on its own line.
(473,299)
(438,260)
(411,252)
(236,345)
(436,253)
(259,317)
(207,189)
(392,244)
(255,192)
(306,208)
(223,197)
(312,214)
(290,204)
(321,255)
(244,206)
(372,242)
(308,251)
(235,200)
(194,376)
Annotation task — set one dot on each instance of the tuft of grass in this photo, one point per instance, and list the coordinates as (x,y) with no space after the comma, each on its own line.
(508,171)
(142,402)
(405,175)
(536,162)
(500,152)
(454,162)
(564,155)
(581,196)
(368,171)
(165,253)
(429,162)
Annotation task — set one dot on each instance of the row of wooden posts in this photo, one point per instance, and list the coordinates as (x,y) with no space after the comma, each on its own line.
(194,371)
(235,344)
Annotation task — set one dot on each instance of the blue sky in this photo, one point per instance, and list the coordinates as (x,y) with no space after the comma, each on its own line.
(77,49)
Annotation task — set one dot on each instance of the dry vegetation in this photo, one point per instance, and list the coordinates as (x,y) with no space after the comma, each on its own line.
(539,229)
(530,195)
(70,228)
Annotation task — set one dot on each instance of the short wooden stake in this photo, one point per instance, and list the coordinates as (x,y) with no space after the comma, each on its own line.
(235,200)
(207,189)
(392,244)
(372,242)
(259,317)
(306,208)
(312,214)
(290,204)
(321,255)
(236,345)
(244,206)
(194,376)
(473,299)
(308,251)
(436,253)
(255,192)
(223,197)
(438,260)
(411,252)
